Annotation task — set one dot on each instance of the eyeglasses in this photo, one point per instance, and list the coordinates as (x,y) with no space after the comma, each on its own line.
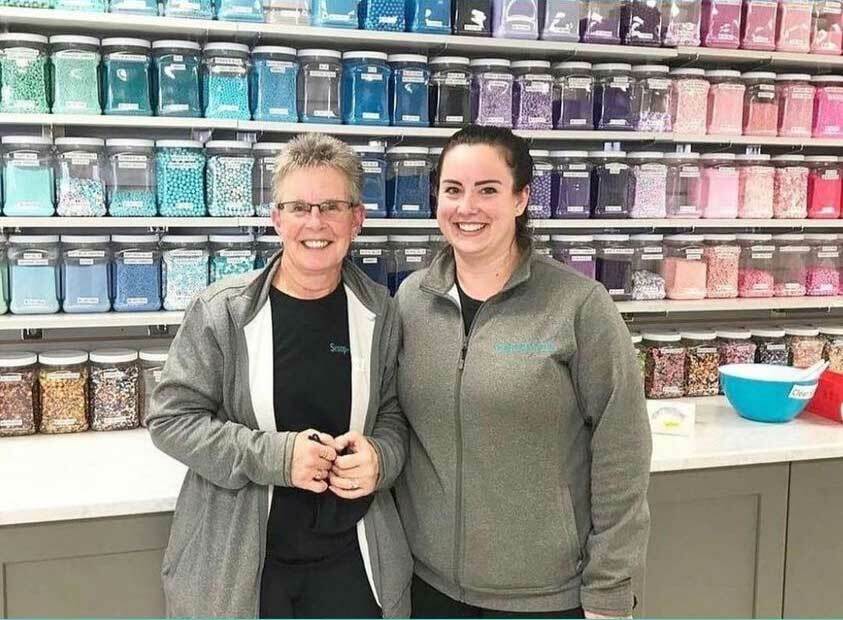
(327,208)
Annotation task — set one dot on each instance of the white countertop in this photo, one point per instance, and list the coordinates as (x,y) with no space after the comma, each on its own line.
(102,474)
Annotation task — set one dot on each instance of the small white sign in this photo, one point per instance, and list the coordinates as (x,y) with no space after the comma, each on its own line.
(671,417)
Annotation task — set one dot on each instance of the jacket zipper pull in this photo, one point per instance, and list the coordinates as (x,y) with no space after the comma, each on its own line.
(462,354)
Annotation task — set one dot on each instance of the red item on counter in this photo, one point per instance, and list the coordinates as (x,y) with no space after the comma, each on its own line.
(828,399)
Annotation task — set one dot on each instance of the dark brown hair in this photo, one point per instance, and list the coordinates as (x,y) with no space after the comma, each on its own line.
(516,154)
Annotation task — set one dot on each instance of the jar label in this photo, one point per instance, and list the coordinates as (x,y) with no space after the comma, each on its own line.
(184,162)
(87,301)
(156,375)
(618,251)
(414,259)
(575,175)
(658,83)
(619,122)
(369,252)
(22,55)
(652,250)
(86,254)
(802,93)
(542,168)
(24,156)
(581,259)
(371,115)
(500,79)
(616,291)
(582,251)
(410,208)
(414,163)
(616,168)
(454,119)
(693,254)
(456,79)
(62,375)
(413,75)
(175,107)
(185,253)
(576,122)
(688,209)
(415,251)
(705,350)
(580,83)
(620,80)
(33,262)
(128,57)
(322,73)
(613,208)
(222,60)
(15,423)
(11,377)
(576,209)
(411,118)
(324,113)
(341,17)
(76,55)
(831,175)
(371,167)
(279,66)
(655,170)
(137,301)
(652,257)
(128,107)
(761,255)
(828,254)
(793,249)
(370,261)
(689,172)
(80,159)
(235,253)
(372,77)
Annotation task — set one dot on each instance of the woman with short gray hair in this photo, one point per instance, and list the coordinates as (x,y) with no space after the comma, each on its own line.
(279,395)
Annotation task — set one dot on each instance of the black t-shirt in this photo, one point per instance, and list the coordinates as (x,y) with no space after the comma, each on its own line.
(312,378)
(469,307)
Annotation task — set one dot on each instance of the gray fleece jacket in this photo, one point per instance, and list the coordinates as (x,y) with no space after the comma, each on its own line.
(213,411)
(526,479)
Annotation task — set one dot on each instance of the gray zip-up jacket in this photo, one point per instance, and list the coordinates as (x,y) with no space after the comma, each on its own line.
(526,478)
(213,411)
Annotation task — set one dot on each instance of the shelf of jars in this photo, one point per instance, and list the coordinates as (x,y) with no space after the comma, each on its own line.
(14,322)
(124,222)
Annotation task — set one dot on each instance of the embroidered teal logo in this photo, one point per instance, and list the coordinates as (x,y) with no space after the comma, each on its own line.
(524,348)
(336,348)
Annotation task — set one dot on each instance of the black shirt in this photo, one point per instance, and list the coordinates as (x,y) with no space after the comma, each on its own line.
(312,384)
(469,307)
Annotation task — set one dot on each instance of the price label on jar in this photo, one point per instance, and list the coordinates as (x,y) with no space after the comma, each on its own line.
(575,175)
(498,79)
(13,423)
(410,118)
(454,119)
(414,163)
(580,83)
(372,77)
(33,262)
(616,168)
(618,251)
(322,73)
(279,66)
(410,207)
(86,254)
(689,172)
(776,347)
(137,301)
(371,167)
(11,377)
(62,375)
(538,87)
(369,252)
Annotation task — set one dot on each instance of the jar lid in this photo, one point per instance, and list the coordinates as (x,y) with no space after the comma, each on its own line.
(169,43)
(79,142)
(688,71)
(541,238)
(768,332)
(646,155)
(758,75)
(702,334)
(674,155)
(720,237)
(437,238)
(722,73)
(226,47)
(827,79)
(126,42)
(822,159)
(572,64)
(368,148)
(799,237)
(39,140)
(491,62)
(245,238)
(801,330)
(612,66)
(33,239)
(754,237)
(531,64)
(134,238)
(84,239)
(319,52)
(17,359)
(753,157)
(73,38)
(734,333)
(611,238)
(793,77)
(651,69)
(268,146)
(539,153)
(408,150)
(409,238)
(436,150)
(274,49)
(238,145)
(716,156)
(661,336)
(450,60)
(609,154)
(417,58)
(636,338)
(113,356)
(154,354)
(570,154)
(122,142)
(373,239)
(363,55)
(275,239)
(178,144)
(184,239)
(24,37)
(63,357)
(790,157)
(685,238)
(647,237)
(572,238)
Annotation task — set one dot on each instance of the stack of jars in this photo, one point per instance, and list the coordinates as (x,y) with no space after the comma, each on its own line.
(389,260)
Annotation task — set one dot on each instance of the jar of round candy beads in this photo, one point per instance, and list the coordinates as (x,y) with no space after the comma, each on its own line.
(790,187)
(756,275)
(823,265)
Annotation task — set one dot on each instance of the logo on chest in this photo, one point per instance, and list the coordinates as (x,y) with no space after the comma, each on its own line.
(339,349)
(525,348)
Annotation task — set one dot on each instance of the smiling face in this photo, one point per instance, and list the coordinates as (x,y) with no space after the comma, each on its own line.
(477,203)
(316,244)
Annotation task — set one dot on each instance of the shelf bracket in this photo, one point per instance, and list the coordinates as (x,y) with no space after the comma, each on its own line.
(158,331)
(31,334)
(201,135)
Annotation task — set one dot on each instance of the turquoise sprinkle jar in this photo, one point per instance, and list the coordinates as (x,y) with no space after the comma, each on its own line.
(189,9)
(228,178)
(431,16)
(134,7)
(79,177)
(33,274)
(373,161)
(382,15)
(87,6)
(239,10)
(131,178)
(180,178)
(23,73)
(75,64)
(175,78)
(231,255)
(28,175)
(85,273)
(126,77)
(184,269)
(272,84)
(365,88)
(334,13)
(409,90)
(225,81)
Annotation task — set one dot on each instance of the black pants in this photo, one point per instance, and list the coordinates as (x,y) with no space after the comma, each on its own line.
(335,588)
(428,602)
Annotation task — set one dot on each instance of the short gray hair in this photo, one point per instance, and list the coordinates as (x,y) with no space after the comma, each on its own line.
(313,150)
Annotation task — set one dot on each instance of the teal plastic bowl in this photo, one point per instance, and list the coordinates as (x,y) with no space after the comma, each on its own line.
(766,393)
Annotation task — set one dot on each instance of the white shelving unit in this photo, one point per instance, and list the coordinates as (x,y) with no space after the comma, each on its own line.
(730,305)
(94,320)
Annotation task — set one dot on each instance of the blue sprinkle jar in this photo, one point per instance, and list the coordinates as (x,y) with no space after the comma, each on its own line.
(75,62)
(189,9)
(228,178)
(23,73)
(365,88)
(408,182)
(450,95)
(126,77)
(231,255)
(320,76)
(136,273)
(334,13)
(264,188)
(87,6)
(28,174)
(225,81)
(532,95)
(491,92)
(80,178)
(175,78)
(371,254)
(373,161)
(541,187)
(613,97)
(272,84)
(180,178)
(290,12)
(85,273)
(515,19)
(134,7)
(409,253)
(562,20)
(33,274)
(131,178)
(239,10)
(382,15)
(184,269)
(266,247)
(431,16)
(409,90)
